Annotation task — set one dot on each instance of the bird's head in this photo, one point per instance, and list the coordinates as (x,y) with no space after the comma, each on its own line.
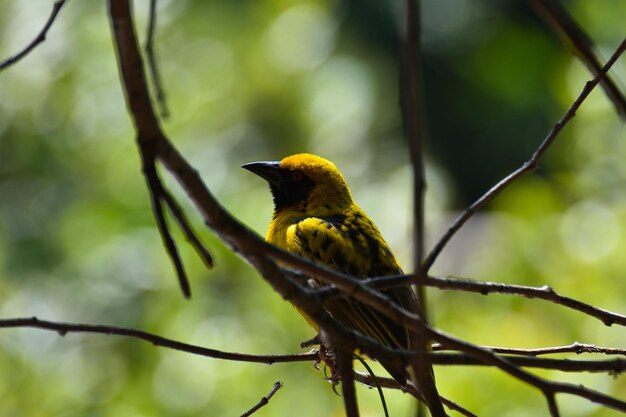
(304,182)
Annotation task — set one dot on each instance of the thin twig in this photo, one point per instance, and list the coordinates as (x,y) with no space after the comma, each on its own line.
(381,395)
(410,95)
(574,36)
(612,366)
(152,62)
(63,328)
(147,125)
(465,284)
(575,347)
(277,385)
(157,193)
(56,8)
(527,166)
(192,238)
(545,386)
(545,293)
(390,383)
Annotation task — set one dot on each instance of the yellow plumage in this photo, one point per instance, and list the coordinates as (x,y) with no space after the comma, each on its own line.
(316,218)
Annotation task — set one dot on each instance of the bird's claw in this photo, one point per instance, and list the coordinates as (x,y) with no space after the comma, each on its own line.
(327,356)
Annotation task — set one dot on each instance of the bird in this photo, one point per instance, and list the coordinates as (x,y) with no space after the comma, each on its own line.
(316,218)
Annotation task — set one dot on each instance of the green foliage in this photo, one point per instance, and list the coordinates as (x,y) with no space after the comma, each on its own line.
(252,80)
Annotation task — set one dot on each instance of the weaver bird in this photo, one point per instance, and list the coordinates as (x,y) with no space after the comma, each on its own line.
(316,218)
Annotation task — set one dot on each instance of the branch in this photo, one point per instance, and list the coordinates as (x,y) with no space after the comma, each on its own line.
(346,374)
(277,385)
(410,93)
(564,25)
(552,405)
(545,293)
(152,63)
(185,226)
(613,366)
(56,8)
(148,129)
(390,383)
(63,328)
(548,388)
(575,347)
(527,166)
(464,284)
(157,192)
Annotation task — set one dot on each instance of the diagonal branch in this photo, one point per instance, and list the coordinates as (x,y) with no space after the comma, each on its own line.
(56,8)
(185,226)
(545,293)
(148,130)
(527,166)
(564,25)
(265,400)
(157,192)
(464,284)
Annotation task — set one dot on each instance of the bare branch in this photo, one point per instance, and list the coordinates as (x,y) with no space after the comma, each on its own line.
(378,387)
(545,293)
(192,238)
(157,193)
(56,8)
(346,374)
(547,387)
(552,406)
(64,328)
(390,383)
(410,93)
(527,166)
(612,366)
(575,347)
(148,132)
(465,284)
(152,62)
(265,400)
(564,25)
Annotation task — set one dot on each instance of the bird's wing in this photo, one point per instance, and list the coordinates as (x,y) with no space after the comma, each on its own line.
(353,245)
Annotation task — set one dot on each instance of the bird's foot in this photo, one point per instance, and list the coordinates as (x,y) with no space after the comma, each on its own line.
(327,355)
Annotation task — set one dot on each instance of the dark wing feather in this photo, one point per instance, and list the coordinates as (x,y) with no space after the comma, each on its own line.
(353,245)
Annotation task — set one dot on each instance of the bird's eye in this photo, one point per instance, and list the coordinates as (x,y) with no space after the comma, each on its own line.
(297,175)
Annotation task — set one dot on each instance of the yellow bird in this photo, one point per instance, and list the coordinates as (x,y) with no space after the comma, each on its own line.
(316,218)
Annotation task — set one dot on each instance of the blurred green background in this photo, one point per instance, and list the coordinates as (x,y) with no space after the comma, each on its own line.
(255,80)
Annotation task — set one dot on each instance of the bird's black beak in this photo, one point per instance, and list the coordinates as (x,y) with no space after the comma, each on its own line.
(268,170)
